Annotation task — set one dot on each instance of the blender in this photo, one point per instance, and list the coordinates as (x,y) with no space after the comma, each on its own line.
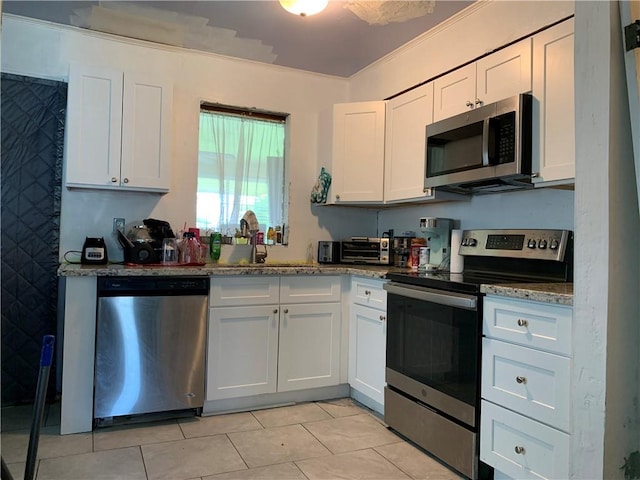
(437,231)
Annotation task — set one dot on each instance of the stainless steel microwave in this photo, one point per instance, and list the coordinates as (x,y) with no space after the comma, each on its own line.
(485,150)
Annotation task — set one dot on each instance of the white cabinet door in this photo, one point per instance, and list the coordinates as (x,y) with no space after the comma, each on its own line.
(94,122)
(310,288)
(367,351)
(504,73)
(309,351)
(242,351)
(531,324)
(119,130)
(146,132)
(527,381)
(358,152)
(454,92)
(369,292)
(406,119)
(500,75)
(553,149)
(520,447)
(228,291)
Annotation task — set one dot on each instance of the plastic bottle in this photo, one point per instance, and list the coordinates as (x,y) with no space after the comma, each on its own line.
(215,246)
(189,248)
(271,236)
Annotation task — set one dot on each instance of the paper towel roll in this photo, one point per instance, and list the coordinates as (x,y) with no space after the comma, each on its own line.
(457,261)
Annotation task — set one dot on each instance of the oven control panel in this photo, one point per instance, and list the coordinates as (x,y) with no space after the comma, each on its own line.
(539,244)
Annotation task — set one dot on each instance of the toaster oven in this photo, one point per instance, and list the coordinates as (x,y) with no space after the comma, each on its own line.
(367,250)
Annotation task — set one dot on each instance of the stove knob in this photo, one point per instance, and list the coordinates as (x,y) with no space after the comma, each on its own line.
(531,243)
(473,242)
(384,243)
(542,244)
(554,245)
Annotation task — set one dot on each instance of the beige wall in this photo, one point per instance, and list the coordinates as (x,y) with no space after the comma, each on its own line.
(44,50)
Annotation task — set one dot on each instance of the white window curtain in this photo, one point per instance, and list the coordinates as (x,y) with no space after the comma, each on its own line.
(240,168)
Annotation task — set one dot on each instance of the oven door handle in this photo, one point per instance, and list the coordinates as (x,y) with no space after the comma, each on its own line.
(440,297)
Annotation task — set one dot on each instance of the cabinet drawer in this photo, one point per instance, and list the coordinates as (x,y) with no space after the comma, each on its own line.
(369,293)
(520,447)
(531,382)
(532,324)
(310,289)
(244,290)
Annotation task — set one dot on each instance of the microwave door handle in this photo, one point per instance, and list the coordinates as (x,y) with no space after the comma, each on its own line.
(485,142)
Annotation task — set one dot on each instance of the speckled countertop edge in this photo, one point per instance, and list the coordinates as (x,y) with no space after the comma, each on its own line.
(556,293)
(75,270)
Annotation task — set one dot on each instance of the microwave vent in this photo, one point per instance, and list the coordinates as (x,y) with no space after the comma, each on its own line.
(492,185)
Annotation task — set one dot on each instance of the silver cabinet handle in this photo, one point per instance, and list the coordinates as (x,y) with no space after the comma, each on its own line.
(367,292)
(469,104)
(126,180)
(114,179)
(275,310)
(337,197)
(286,310)
(383,318)
(521,379)
(522,322)
(519,450)
(478,102)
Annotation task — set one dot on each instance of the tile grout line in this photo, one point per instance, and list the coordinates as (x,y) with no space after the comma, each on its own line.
(237,451)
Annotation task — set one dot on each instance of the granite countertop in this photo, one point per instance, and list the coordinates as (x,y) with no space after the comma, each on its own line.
(557,293)
(373,271)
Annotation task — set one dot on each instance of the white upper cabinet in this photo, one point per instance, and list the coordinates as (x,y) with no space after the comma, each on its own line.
(502,74)
(406,119)
(358,152)
(553,150)
(119,130)
(378,150)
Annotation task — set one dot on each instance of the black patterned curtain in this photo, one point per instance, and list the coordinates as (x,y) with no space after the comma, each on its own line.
(32,123)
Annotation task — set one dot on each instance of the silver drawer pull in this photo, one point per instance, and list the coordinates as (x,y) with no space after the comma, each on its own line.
(519,450)
(522,322)
(521,379)
(382,318)
(367,292)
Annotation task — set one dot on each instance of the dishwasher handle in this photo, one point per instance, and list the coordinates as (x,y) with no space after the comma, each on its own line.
(440,297)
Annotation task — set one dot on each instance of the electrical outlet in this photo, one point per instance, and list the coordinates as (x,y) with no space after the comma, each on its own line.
(118,224)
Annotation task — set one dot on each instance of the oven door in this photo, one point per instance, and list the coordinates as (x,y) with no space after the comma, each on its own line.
(433,348)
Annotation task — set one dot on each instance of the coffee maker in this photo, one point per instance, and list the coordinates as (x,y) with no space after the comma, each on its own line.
(437,231)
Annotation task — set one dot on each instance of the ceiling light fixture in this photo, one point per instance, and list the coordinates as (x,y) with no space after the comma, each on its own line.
(304,8)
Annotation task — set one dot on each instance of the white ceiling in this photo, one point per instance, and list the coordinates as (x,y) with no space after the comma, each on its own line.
(334,42)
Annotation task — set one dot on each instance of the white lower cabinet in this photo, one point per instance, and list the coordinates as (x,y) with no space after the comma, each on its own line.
(309,352)
(242,352)
(526,388)
(259,342)
(367,341)
(520,447)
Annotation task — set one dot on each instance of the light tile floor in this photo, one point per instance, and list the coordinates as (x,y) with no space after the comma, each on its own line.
(336,439)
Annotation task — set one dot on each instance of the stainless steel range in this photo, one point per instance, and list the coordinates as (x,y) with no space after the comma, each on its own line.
(434,330)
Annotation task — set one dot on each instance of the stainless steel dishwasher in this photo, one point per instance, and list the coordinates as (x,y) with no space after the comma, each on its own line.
(150,346)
